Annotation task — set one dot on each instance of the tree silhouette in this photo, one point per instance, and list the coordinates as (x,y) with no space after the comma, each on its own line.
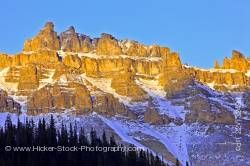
(28,135)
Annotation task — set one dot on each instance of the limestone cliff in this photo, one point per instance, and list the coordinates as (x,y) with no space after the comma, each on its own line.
(237,61)
(232,75)
(46,39)
(74,42)
(7,104)
(108,45)
(72,71)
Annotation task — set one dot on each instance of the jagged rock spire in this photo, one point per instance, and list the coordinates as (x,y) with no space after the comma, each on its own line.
(237,61)
(216,64)
(46,39)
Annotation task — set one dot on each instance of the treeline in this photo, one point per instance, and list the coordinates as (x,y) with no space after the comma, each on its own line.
(41,135)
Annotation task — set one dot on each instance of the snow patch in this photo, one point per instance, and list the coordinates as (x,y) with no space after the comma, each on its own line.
(174,143)
(7,86)
(49,78)
(248,73)
(212,70)
(95,56)
(211,85)
(104,84)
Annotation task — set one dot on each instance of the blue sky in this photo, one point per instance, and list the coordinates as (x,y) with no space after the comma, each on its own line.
(201,31)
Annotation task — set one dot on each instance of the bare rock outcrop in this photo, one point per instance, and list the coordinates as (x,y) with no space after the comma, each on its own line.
(108,67)
(29,79)
(246,100)
(136,49)
(45,57)
(107,104)
(108,45)
(238,61)
(206,111)
(74,42)
(13,75)
(60,97)
(7,104)
(74,96)
(174,78)
(5,61)
(152,116)
(46,39)
(230,76)
(124,84)
(72,61)
(216,64)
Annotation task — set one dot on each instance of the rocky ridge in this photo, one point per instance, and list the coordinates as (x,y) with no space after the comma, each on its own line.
(74,73)
(48,59)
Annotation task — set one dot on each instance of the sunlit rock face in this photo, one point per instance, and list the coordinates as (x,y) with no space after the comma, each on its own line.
(108,45)
(72,61)
(74,42)
(59,97)
(237,61)
(46,39)
(47,59)
(124,84)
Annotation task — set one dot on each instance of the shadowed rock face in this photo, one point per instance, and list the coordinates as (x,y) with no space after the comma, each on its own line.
(74,96)
(205,111)
(59,97)
(7,104)
(152,116)
(73,42)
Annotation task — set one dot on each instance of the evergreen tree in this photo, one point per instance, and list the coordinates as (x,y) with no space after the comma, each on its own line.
(177,162)
(28,134)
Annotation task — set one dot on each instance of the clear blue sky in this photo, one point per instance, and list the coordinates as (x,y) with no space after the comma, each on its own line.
(200,30)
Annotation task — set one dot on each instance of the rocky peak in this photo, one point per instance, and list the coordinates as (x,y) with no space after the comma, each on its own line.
(107,36)
(71,30)
(136,49)
(237,55)
(216,64)
(49,27)
(237,61)
(71,41)
(108,45)
(173,61)
(46,39)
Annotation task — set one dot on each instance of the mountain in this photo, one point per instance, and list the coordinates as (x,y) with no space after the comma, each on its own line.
(142,94)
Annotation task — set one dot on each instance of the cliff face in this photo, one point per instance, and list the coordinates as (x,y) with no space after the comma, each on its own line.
(73,71)
(233,75)
(46,39)
(237,61)
(73,42)
(7,104)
